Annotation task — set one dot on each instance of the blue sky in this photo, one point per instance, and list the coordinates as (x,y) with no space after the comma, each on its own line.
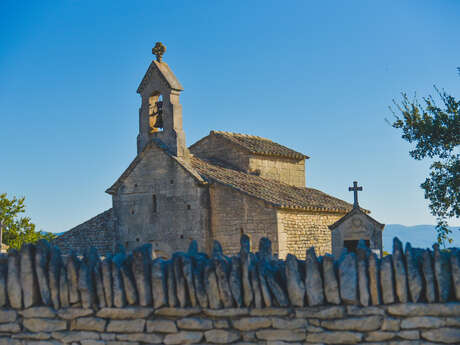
(317,76)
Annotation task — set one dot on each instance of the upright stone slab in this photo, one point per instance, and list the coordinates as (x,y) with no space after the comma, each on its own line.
(428,277)
(55,265)
(42,257)
(374,279)
(265,291)
(187,270)
(64,298)
(295,285)
(128,281)
(3,284)
(29,283)
(171,284)
(106,268)
(280,297)
(99,284)
(14,280)
(159,288)
(235,281)
(222,272)
(212,287)
(181,289)
(217,250)
(399,271)
(142,259)
(86,286)
(331,284)
(198,280)
(248,295)
(313,279)
(254,275)
(387,280)
(442,274)
(348,278)
(414,276)
(72,267)
(119,297)
(363,278)
(265,249)
(455,266)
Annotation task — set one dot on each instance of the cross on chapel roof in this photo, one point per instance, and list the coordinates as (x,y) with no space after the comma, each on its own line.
(355,189)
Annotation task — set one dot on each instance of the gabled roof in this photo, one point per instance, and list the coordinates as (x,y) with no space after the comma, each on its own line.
(184,164)
(165,72)
(276,193)
(357,210)
(258,145)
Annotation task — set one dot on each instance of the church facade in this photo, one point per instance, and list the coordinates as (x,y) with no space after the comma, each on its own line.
(221,187)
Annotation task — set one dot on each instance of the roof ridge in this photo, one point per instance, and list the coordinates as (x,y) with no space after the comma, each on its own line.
(240,134)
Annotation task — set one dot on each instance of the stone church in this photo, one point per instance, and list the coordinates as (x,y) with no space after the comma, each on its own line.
(221,187)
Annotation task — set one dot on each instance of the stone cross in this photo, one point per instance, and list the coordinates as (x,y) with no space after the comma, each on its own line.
(355,189)
(159,50)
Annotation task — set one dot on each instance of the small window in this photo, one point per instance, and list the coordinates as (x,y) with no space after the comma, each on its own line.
(171,181)
(154,203)
(188,207)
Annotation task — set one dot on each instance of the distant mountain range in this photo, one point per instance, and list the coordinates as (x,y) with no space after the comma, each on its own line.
(421,236)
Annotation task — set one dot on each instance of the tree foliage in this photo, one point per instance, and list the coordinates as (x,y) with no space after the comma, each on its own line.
(16,229)
(435,131)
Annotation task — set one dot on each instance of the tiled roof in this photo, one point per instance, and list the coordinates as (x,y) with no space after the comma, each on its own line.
(276,193)
(96,232)
(259,145)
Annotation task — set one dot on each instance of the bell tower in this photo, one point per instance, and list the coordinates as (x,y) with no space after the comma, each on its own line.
(160,115)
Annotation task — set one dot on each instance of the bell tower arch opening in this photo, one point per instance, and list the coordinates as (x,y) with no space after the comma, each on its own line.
(156,113)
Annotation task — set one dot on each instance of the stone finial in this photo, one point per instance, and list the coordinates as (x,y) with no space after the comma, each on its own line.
(159,50)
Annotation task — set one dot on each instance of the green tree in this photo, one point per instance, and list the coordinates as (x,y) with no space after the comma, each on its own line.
(16,229)
(435,131)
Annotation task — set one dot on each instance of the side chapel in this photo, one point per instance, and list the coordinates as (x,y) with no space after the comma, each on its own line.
(221,187)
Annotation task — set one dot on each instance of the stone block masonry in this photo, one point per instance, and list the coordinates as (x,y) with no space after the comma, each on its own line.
(250,298)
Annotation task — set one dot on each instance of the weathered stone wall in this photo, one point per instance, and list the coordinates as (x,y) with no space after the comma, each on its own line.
(284,170)
(409,297)
(234,214)
(216,147)
(162,204)
(303,230)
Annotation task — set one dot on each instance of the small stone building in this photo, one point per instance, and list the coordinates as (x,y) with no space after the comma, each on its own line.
(221,187)
(354,226)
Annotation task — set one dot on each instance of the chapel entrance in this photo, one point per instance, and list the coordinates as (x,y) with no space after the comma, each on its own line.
(352,245)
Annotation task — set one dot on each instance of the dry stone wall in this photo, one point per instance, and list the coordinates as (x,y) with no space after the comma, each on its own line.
(409,297)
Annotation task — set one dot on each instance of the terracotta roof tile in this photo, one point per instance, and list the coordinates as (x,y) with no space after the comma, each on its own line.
(276,193)
(259,145)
